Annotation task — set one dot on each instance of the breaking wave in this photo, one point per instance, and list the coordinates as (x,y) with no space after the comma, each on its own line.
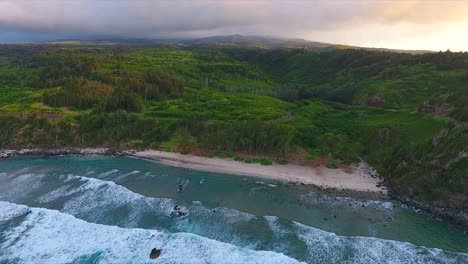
(48,236)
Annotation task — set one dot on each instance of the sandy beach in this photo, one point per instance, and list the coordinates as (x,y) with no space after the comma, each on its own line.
(359,180)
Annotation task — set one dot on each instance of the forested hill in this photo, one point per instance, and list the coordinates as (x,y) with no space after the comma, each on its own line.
(405,114)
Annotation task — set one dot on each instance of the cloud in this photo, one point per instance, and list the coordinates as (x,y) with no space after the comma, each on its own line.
(422,12)
(184,18)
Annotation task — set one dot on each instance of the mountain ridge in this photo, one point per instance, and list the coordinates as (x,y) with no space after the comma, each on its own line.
(235,40)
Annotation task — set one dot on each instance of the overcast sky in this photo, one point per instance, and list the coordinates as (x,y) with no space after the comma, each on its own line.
(424,24)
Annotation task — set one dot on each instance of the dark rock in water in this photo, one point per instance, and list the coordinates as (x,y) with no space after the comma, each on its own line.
(155,253)
(183,185)
(177,211)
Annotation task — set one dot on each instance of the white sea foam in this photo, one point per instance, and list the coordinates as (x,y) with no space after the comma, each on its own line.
(97,196)
(365,203)
(9,211)
(327,200)
(48,236)
(108,173)
(98,201)
(326,247)
(22,185)
(120,177)
(263,183)
(275,227)
(234,216)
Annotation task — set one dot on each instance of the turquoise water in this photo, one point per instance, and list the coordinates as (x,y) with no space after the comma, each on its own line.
(115,210)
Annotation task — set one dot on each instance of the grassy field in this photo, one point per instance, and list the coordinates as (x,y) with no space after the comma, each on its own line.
(210,104)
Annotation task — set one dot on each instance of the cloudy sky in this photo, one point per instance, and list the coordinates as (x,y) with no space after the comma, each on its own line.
(405,24)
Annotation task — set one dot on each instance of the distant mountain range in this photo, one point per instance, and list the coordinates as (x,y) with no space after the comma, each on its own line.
(264,42)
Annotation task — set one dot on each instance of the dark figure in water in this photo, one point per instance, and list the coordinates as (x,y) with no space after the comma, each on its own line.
(155,253)
(183,185)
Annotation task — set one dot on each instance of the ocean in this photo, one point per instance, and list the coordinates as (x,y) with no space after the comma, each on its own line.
(103,209)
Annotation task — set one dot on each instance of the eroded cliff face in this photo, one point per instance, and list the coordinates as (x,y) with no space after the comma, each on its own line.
(434,175)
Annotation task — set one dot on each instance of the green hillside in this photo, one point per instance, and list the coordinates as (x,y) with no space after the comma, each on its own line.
(359,77)
(405,114)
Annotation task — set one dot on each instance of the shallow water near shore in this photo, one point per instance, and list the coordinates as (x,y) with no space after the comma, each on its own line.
(107,209)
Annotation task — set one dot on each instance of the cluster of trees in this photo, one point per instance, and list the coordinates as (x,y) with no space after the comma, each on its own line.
(294,92)
(459,99)
(154,84)
(21,55)
(121,99)
(35,131)
(240,70)
(79,78)
(8,78)
(364,62)
(78,93)
(57,71)
(123,129)
(254,137)
(119,129)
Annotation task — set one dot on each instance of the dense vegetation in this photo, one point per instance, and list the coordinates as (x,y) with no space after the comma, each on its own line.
(402,113)
(382,79)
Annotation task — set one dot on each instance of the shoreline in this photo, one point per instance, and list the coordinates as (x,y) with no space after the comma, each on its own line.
(321,177)
(451,217)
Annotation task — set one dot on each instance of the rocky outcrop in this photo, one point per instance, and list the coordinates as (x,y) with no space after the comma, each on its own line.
(8,153)
(454,216)
(155,253)
(433,176)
